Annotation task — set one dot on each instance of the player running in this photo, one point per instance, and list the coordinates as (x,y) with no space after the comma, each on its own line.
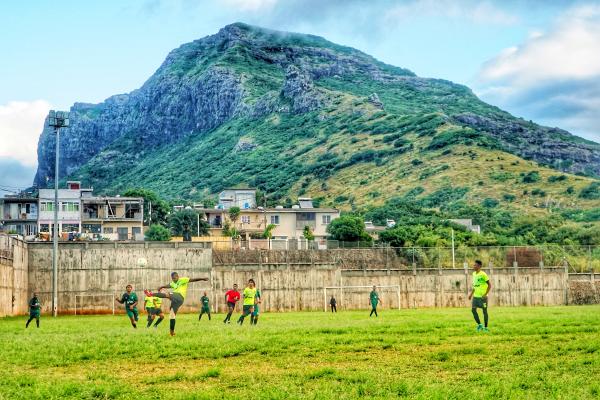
(177,296)
(375,300)
(34,311)
(256,312)
(204,301)
(153,307)
(130,299)
(248,301)
(481,288)
(231,297)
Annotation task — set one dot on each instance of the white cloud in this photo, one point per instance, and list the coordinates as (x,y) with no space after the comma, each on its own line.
(21,123)
(553,76)
(481,12)
(251,5)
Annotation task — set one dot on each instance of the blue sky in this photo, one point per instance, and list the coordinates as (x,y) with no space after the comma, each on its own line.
(537,59)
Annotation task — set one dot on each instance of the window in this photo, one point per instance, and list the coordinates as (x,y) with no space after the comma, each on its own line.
(108,230)
(136,231)
(91,228)
(70,227)
(245,219)
(122,233)
(69,206)
(326,219)
(45,227)
(47,206)
(275,219)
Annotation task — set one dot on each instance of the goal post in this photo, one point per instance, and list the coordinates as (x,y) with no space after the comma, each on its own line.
(80,301)
(392,288)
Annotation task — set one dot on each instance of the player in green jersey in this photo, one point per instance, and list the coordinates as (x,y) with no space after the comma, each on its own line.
(205,304)
(479,293)
(249,297)
(130,299)
(256,312)
(177,294)
(34,311)
(374,300)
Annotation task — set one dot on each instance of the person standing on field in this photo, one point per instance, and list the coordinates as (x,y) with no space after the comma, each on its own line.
(205,304)
(130,299)
(256,312)
(153,307)
(231,297)
(374,300)
(177,295)
(248,301)
(479,293)
(35,308)
(333,304)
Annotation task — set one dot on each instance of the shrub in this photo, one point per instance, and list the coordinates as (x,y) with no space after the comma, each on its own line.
(531,177)
(591,192)
(557,178)
(509,197)
(158,233)
(348,228)
(490,203)
(416,162)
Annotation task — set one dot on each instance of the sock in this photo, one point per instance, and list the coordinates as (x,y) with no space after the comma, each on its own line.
(37,322)
(149,322)
(251,319)
(485,317)
(228,317)
(200,317)
(172,324)
(209,316)
(159,321)
(476,316)
(256,320)
(241,320)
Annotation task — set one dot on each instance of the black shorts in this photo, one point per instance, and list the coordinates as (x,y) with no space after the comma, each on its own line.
(230,304)
(156,311)
(176,302)
(479,302)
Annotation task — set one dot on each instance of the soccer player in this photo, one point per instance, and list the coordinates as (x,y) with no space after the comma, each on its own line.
(255,313)
(333,304)
(130,299)
(481,288)
(375,300)
(204,300)
(158,310)
(177,296)
(231,297)
(34,311)
(149,306)
(249,294)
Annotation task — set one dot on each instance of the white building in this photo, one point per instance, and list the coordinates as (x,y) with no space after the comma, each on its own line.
(69,209)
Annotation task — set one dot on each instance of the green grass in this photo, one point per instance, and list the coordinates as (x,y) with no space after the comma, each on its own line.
(543,352)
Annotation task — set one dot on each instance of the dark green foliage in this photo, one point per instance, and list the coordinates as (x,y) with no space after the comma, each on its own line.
(416,162)
(509,197)
(432,171)
(186,222)
(570,190)
(592,215)
(538,192)
(490,203)
(414,192)
(444,195)
(531,177)
(465,136)
(501,176)
(591,192)
(557,178)
(158,233)
(348,228)
(156,209)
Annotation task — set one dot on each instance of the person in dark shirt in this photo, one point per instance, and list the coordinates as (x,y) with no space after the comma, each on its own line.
(34,311)
(205,304)
(130,299)
(333,304)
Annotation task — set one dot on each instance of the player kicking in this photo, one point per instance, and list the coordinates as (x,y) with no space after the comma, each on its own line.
(205,302)
(130,299)
(256,312)
(249,295)
(34,311)
(481,288)
(177,295)
(375,300)
(231,297)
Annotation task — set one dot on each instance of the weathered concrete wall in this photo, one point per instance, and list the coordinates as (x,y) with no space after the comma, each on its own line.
(13,276)
(96,272)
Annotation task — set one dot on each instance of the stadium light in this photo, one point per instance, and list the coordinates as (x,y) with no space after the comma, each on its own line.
(56,120)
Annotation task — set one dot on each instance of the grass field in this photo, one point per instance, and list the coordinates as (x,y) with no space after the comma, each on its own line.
(543,352)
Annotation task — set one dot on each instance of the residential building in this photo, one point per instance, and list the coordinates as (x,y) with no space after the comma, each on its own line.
(242,198)
(69,209)
(113,218)
(19,214)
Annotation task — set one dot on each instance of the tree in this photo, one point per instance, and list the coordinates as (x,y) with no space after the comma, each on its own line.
(348,228)
(308,235)
(158,233)
(234,214)
(186,221)
(160,208)
(268,233)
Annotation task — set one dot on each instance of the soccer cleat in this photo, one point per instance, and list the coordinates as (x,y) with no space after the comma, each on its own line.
(479,328)
(486,330)
(148,293)
(172,333)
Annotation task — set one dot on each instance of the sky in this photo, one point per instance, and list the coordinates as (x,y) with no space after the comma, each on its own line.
(539,60)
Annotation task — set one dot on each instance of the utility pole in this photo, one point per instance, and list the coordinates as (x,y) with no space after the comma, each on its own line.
(453,260)
(56,120)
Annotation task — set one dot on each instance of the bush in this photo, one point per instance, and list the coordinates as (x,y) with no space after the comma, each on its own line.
(557,178)
(509,197)
(490,203)
(591,192)
(158,233)
(348,228)
(531,177)
(538,192)
(416,162)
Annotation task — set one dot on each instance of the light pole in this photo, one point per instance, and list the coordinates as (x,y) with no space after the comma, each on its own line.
(56,120)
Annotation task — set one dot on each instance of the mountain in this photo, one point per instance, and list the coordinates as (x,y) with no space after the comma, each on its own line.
(295,114)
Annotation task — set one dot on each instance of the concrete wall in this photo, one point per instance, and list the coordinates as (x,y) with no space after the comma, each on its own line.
(584,288)
(13,276)
(96,272)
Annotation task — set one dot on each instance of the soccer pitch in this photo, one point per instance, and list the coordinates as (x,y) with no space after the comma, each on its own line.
(541,352)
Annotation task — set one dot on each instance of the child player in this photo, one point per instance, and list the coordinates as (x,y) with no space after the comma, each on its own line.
(205,304)
(231,297)
(130,299)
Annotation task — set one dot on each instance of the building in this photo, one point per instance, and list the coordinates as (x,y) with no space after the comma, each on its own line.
(289,223)
(19,214)
(113,218)
(468,223)
(242,198)
(69,210)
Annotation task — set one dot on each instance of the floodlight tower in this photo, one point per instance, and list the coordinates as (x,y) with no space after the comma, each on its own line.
(56,120)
